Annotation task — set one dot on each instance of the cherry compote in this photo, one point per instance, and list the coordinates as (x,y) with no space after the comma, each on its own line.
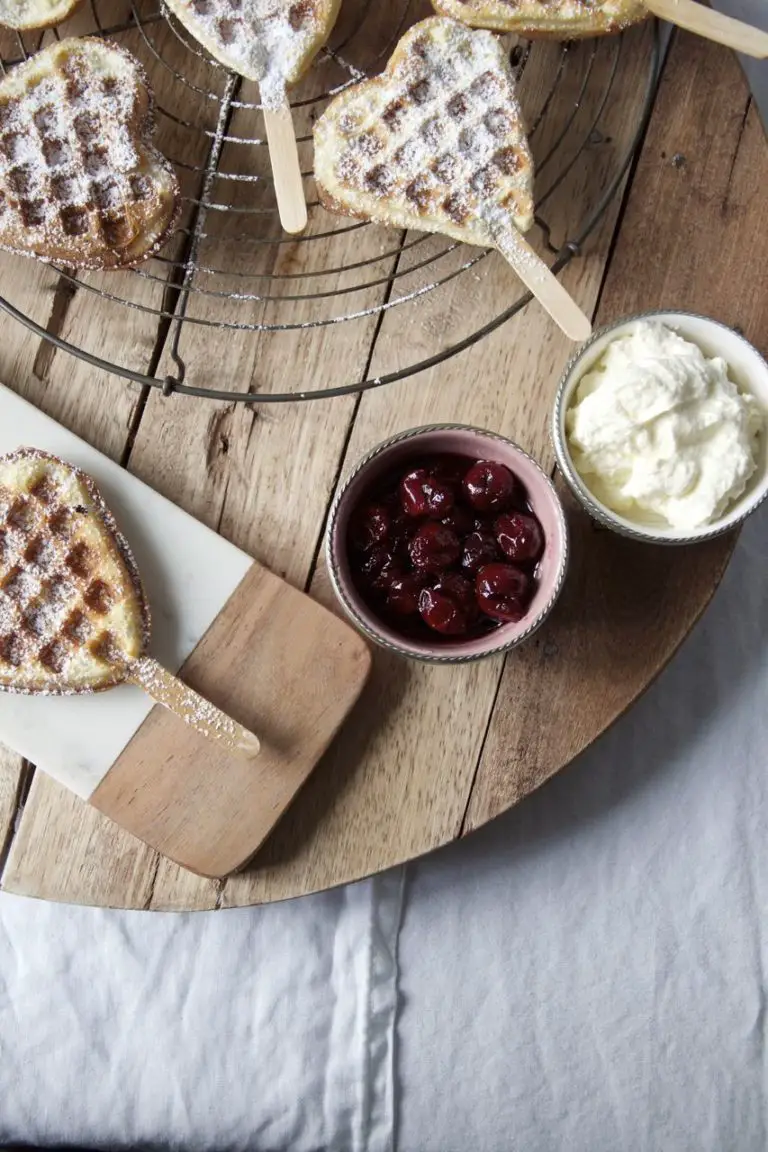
(446,547)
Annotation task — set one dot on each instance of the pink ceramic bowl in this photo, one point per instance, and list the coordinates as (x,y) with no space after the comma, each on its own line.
(459,439)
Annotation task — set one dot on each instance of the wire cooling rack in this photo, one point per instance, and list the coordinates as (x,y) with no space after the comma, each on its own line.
(231,274)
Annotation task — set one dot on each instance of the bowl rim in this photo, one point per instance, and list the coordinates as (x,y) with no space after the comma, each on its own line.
(596,509)
(404,649)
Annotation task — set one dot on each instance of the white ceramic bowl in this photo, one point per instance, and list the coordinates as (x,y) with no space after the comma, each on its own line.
(747,369)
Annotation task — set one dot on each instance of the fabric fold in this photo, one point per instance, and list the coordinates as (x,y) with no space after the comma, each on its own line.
(254,1029)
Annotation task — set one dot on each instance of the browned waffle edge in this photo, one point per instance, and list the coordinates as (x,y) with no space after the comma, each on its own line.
(124,552)
(145,124)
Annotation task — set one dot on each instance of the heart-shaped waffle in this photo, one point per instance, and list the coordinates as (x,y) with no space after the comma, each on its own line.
(270,41)
(435,143)
(80,182)
(70,593)
(23,15)
(560,19)
(73,614)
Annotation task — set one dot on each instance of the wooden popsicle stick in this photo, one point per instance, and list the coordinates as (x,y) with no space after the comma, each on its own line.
(286,171)
(190,707)
(712,25)
(538,278)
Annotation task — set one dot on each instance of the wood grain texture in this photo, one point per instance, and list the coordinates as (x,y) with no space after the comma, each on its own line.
(549,292)
(283,665)
(43,848)
(66,388)
(13,777)
(263,476)
(25,362)
(103,412)
(398,779)
(412,768)
(627,606)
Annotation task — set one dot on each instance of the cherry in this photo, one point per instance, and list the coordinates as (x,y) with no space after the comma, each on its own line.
(459,519)
(449,606)
(440,542)
(502,592)
(459,589)
(400,532)
(442,613)
(434,547)
(479,548)
(403,594)
(372,564)
(520,537)
(489,487)
(424,495)
(387,576)
(370,527)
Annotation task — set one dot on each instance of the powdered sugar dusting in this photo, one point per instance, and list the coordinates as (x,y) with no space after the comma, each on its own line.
(69,593)
(34,13)
(435,142)
(195,710)
(71,168)
(270,41)
(73,617)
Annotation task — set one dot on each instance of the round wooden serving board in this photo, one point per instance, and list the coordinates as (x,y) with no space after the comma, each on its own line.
(429,754)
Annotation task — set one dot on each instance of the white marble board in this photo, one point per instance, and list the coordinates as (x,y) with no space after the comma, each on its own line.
(189,574)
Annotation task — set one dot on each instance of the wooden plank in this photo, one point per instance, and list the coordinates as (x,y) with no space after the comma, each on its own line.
(13,778)
(42,862)
(60,837)
(122,325)
(397,780)
(36,290)
(695,236)
(66,388)
(263,476)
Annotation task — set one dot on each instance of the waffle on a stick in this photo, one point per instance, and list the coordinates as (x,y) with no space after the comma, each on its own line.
(435,143)
(70,594)
(73,614)
(555,19)
(24,15)
(270,41)
(80,182)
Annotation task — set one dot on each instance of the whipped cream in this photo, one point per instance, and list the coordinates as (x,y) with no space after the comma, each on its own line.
(659,432)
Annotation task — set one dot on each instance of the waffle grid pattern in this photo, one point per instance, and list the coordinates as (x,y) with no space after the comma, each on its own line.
(228,22)
(218,300)
(440,137)
(64,148)
(52,599)
(270,41)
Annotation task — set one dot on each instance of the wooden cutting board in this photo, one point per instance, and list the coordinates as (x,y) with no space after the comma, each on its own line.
(267,654)
(285,668)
